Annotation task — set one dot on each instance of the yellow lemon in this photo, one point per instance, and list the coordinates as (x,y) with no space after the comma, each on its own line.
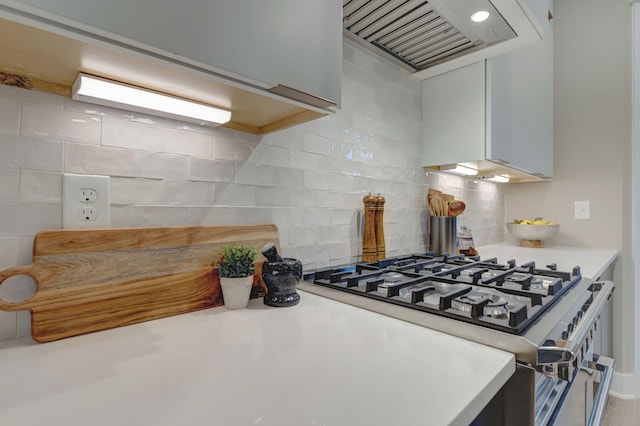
(525,222)
(539,222)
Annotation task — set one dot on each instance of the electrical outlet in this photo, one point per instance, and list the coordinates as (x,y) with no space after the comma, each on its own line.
(87,195)
(85,201)
(89,214)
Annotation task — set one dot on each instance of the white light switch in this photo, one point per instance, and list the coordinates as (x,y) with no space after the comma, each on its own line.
(582,210)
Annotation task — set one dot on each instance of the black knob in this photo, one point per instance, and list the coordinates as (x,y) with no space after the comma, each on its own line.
(575,320)
(270,251)
(565,335)
(570,327)
(580,314)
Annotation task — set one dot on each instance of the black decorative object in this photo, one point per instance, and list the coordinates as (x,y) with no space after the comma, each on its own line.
(281,278)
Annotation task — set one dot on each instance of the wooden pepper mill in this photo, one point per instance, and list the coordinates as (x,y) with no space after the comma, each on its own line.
(379,226)
(369,247)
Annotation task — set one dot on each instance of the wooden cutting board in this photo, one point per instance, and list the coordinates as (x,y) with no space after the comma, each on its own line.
(96,279)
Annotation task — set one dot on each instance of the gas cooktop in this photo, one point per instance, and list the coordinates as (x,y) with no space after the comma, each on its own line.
(505,297)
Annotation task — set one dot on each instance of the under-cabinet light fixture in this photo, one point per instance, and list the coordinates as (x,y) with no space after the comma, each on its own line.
(499,178)
(119,95)
(457,168)
(480,16)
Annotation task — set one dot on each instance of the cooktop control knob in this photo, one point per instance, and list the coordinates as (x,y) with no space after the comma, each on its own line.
(575,320)
(580,314)
(565,335)
(570,327)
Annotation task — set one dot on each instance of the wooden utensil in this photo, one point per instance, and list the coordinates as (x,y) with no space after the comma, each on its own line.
(456,208)
(433,192)
(96,279)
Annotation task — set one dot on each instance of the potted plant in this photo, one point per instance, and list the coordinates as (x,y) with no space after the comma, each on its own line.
(236,270)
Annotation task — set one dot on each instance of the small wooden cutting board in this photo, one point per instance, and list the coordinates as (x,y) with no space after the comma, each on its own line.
(96,279)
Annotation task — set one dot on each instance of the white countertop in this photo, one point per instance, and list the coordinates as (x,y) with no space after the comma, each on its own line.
(318,363)
(592,262)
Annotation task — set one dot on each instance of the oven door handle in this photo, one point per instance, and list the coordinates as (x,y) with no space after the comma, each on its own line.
(606,366)
(564,351)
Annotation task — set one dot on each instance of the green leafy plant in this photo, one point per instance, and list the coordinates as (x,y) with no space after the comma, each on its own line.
(237,261)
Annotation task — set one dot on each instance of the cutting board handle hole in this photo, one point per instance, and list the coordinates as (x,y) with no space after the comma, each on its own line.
(17,288)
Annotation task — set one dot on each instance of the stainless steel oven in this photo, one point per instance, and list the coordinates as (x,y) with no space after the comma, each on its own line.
(547,318)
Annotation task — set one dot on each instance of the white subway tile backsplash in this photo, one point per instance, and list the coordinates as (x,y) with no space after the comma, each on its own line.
(304,160)
(24,323)
(9,117)
(188,193)
(316,217)
(288,217)
(99,160)
(144,216)
(189,143)
(27,153)
(25,250)
(35,97)
(228,194)
(340,250)
(8,325)
(255,174)
(230,215)
(127,134)
(213,170)
(54,123)
(8,252)
(9,189)
(304,198)
(334,233)
(227,148)
(135,191)
(29,219)
(302,236)
(343,216)
(316,251)
(274,197)
(319,180)
(37,187)
(288,178)
(161,166)
(270,155)
(317,144)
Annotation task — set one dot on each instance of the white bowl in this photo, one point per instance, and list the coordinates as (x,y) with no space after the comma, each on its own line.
(532,232)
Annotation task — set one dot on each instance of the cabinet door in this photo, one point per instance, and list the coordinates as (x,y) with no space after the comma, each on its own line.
(453,116)
(508,105)
(520,97)
(541,104)
(297,43)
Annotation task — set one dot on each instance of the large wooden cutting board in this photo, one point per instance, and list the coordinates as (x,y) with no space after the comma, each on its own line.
(90,280)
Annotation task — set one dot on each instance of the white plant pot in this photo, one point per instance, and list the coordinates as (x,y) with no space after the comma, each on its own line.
(236,291)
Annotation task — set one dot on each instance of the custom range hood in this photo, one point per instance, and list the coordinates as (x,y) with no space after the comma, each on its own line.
(435,36)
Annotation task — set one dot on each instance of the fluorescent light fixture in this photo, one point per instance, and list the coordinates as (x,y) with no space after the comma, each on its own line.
(499,178)
(457,168)
(119,95)
(480,16)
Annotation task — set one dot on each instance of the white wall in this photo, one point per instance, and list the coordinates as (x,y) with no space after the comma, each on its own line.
(592,103)
(309,180)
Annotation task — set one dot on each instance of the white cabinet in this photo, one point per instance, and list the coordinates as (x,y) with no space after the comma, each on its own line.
(520,108)
(296,43)
(493,113)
